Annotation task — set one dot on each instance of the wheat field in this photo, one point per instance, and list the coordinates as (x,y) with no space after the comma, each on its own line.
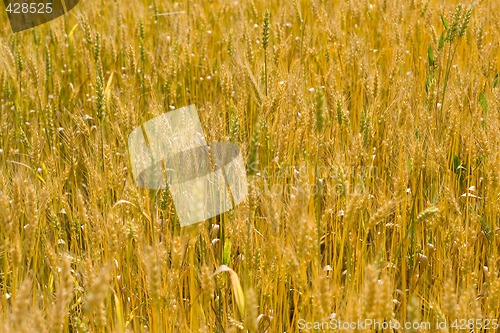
(370,130)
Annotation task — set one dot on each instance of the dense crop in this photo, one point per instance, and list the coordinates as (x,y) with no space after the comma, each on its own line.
(370,130)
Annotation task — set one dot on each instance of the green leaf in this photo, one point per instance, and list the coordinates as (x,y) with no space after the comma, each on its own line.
(495,81)
(430,55)
(484,103)
(226,256)
(441,42)
(460,169)
(444,22)
(479,160)
(457,164)
(486,228)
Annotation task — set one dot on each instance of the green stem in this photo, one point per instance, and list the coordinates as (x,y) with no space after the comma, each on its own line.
(318,205)
(447,75)
(265,67)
